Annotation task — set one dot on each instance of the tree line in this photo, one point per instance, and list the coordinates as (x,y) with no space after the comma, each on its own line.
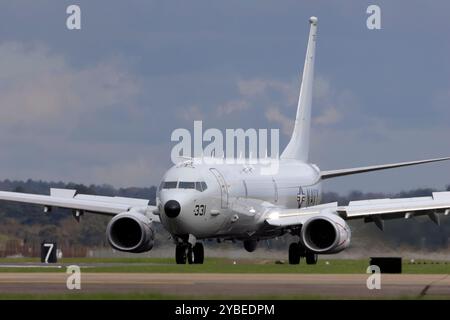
(28,223)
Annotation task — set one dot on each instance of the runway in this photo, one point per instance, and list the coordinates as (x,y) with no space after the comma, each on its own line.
(204,285)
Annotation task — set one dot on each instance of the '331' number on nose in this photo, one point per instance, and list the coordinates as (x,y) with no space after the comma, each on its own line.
(199,210)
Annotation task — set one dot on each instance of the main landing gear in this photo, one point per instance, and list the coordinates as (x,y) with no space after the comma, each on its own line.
(192,254)
(297,251)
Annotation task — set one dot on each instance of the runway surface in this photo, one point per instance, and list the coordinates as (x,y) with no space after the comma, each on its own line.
(202,285)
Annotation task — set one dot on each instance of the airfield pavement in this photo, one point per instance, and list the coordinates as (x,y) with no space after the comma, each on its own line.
(204,285)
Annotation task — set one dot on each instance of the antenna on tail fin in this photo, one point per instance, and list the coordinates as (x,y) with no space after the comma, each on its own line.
(298,146)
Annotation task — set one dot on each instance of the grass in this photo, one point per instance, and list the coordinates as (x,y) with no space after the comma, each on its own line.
(91,260)
(221,265)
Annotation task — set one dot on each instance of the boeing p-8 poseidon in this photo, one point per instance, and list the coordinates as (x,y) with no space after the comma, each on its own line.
(199,200)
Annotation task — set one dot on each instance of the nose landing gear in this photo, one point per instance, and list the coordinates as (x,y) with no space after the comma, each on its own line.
(192,254)
(296,251)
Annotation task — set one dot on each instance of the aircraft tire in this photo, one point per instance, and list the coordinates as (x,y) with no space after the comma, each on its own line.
(198,253)
(190,255)
(311,257)
(294,253)
(180,254)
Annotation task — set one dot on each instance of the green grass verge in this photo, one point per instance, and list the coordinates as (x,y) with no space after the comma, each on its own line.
(90,260)
(220,265)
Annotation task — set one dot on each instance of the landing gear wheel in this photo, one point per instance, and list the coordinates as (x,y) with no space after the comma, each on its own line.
(195,254)
(180,254)
(199,253)
(190,255)
(294,253)
(311,258)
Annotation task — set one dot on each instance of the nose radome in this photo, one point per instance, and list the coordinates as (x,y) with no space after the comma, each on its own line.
(172,208)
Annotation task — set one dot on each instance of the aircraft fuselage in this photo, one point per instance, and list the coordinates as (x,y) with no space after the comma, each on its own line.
(237,198)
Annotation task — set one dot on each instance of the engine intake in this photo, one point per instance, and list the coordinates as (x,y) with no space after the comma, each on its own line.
(130,232)
(327,233)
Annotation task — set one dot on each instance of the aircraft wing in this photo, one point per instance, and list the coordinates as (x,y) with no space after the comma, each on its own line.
(376,210)
(344,172)
(69,199)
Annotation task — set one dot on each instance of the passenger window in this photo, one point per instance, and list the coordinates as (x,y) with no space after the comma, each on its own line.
(186,185)
(170,185)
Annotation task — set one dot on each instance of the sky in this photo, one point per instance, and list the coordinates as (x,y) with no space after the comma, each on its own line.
(98,105)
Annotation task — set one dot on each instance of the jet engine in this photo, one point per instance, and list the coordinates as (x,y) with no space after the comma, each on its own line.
(130,232)
(325,233)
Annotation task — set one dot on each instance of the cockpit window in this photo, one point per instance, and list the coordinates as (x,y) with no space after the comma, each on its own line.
(199,185)
(169,185)
(186,185)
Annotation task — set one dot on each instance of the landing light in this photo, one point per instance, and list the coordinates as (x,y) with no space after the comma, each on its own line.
(274,215)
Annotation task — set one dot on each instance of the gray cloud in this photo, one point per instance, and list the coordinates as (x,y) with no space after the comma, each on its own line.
(99,105)
(274,115)
(41,89)
(232,106)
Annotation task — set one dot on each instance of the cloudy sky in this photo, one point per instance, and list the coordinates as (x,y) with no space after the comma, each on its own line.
(98,105)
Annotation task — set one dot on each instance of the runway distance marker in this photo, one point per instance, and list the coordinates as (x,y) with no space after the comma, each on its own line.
(48,252)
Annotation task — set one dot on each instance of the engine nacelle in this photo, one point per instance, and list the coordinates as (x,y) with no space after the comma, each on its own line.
(325,233)
(130,232)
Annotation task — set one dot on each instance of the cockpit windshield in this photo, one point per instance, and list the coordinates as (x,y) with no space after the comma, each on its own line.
(186,185)
(169,185)
(198,185)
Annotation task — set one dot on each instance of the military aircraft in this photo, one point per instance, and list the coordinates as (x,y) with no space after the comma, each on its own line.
(199,200)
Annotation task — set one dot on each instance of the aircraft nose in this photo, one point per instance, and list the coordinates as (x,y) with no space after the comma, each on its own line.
(172,208)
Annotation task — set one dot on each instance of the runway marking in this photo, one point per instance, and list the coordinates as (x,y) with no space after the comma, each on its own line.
(29,266)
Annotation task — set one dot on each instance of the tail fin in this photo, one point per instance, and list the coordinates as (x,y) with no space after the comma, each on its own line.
(298,146)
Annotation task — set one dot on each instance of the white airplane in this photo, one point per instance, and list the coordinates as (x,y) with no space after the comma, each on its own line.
(198,201)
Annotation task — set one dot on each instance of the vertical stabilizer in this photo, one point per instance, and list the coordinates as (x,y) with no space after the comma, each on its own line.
(298,146)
